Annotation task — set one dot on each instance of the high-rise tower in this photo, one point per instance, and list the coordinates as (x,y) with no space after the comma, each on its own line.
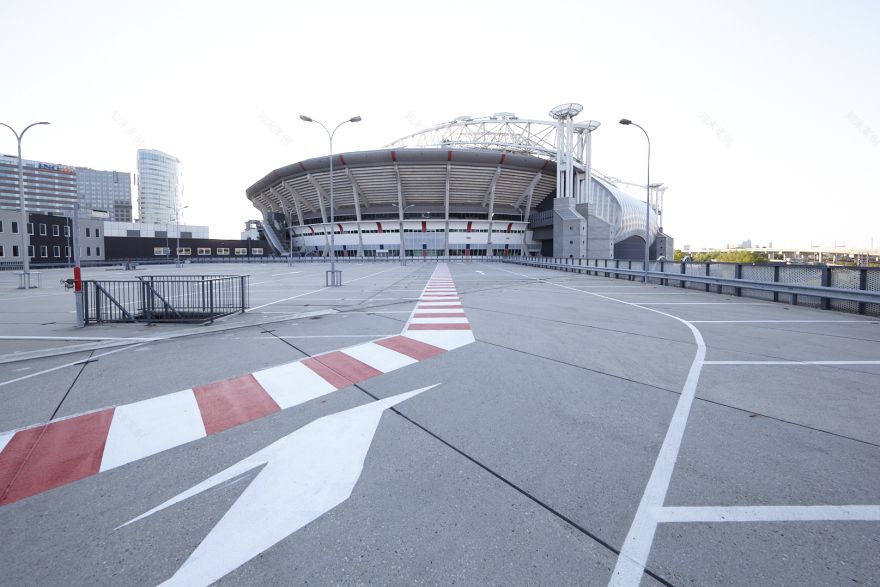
(160,186)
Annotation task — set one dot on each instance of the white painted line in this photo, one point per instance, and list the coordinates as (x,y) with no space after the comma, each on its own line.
(775,321)
(81,361)
(444,339)
(768,513)
(439,311)
(147,427)
(691,303)
(4,440)
(379,357)
(292,384)
(287,273)
(332,336)
(417,320)
(133,339)
(432,303)
(791,363)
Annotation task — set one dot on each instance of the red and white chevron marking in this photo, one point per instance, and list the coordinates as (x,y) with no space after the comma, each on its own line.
(50,455)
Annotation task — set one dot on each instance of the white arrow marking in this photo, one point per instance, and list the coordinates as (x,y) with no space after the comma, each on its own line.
(307,473)
(481,273)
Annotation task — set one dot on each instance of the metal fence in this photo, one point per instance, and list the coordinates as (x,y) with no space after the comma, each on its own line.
(149,299)
(846,289)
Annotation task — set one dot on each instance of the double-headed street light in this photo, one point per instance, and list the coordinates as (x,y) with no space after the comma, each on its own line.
(402,245)
(177,221)
(625,121)
(333,278)
(26,266)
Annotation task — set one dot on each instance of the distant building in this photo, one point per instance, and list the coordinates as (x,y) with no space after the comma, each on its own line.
(746,244)
(160,186)
(105,190)
(687,247)
(48,187)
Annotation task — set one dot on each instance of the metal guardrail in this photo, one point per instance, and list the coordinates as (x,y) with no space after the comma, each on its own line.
(847,289)
(181,299)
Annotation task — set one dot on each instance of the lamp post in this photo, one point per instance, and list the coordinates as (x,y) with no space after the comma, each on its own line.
(177,221)
(289,232)
(402,245)
(26,265)
(335,279)
(625,122)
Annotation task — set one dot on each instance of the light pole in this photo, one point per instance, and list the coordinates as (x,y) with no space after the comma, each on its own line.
(335,279)
(625,121)
(290,232)
(26,265)
(402,244)
(177,221)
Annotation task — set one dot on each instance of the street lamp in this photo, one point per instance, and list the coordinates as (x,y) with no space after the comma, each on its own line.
(335,279)
(177,221)
(400,218)
(26,265)
(626,122)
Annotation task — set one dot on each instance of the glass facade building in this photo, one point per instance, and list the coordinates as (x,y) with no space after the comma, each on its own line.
(105,190)
(48,187)
(160,186)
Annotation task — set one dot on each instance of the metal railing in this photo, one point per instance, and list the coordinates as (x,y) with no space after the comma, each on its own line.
(847,289)
(149,299)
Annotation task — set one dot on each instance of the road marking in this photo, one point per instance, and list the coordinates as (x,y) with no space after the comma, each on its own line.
(776,321)
(776,513)
(481,273)
(791,363)
(67,365)
(307,473)
(286,273)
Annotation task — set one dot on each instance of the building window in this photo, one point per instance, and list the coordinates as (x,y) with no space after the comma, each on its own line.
(184,251)
(240,251)
(2,251)
(42,230)
(1,226)
(30,228)
(222,251)
(55,230)
(56,251)
(88,232)
(15,251)
(97,233)
(30,250)
(97,251)
(132,233)
(67,252)
(186,234)
(15,228)
(67,231)
(204,251)
(161,234)
(44,251)
(257,251)
(161,251)
(88,251)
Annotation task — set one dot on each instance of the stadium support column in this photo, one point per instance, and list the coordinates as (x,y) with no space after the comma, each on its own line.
(569,157)
(527,196)
(401,207)
(560,156)
(357,209)
(446,207)
(490,196)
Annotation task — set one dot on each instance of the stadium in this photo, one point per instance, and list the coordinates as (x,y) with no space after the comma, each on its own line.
(490,186)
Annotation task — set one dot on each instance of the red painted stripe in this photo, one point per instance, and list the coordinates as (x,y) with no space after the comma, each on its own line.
(340,229)
(68,451)
(276,174)
(328,374)
(429,307)
(232,402)
(502,159)
(439,327)
(393,156)
(509,226)
(469,226)
(341,159)
(424,226)
(449,155)
(420,314)
(349,367)
(545,164)
(442,295)
(379,224)
(303,166)
(312,229)
(411,348)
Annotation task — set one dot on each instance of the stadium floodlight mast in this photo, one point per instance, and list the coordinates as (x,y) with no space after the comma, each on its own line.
(26,266)
(626,122)
(334,279)
(402,217)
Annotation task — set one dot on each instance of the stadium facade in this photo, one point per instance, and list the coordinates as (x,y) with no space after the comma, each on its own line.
(497,185)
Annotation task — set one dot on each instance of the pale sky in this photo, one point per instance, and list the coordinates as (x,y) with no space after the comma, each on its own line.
(763,115)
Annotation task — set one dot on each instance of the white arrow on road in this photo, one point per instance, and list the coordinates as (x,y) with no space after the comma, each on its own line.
(481,273)
(307,473)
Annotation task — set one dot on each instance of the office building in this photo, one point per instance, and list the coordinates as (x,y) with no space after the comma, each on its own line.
(160,186)
(48,187)
(109,191)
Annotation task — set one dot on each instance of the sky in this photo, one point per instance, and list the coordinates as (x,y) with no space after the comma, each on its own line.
(763,115)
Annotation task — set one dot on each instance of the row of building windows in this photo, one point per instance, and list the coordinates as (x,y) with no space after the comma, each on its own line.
(161,251)
(44,251)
